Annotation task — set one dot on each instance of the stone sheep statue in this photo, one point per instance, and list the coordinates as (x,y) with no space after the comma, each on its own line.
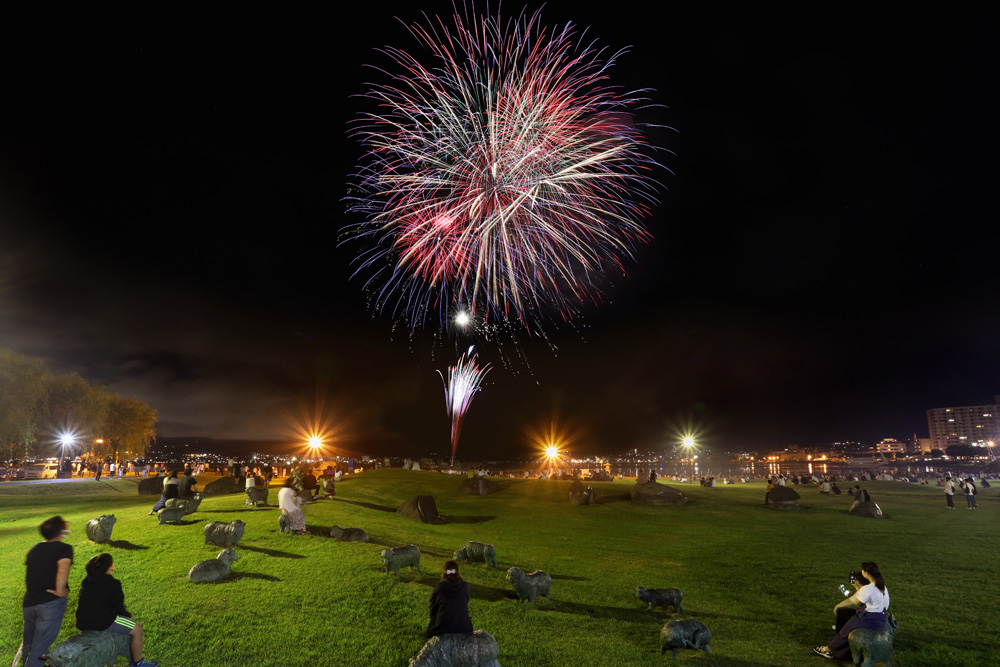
(257,496)
(476,649)
(348,534)
(661,597)
(224,534)
(99,529)
(477,551)
(189,505)
(529,586)
(687,633)
(215,569)
(171,515)
(869,648)
(408,556)
(284,523)
(90,649)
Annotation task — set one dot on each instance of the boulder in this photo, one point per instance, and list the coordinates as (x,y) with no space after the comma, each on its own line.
(479,486)
(224,485)
(784,498)
(476,649)
(580,495)
(601,476)
(869,509)
(651,493)
(90,649)
(421,508)
(151,486)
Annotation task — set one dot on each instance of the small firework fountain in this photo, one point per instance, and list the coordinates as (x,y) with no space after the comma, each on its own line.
(460,386)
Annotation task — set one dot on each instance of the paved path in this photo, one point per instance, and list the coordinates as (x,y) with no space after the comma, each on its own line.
(104,478)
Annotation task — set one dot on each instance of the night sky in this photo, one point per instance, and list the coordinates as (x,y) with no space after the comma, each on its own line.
(824,262)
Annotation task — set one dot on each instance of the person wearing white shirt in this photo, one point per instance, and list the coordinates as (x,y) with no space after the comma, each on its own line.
(872,604)
(290,505)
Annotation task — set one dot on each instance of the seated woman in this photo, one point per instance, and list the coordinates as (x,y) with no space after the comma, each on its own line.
(169,491)
(102,607)
(449,604)
(871,602)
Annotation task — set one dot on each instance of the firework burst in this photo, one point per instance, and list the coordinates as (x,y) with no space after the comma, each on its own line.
(462,383)
(504,175)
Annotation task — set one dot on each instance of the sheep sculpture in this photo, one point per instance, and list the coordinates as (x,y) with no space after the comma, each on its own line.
(189,505)
(213,570)
(170,515)
(477,551)
(348,534)
(475,649)
(90,649)
(224,534)
(870,647)
(661,597)
(257,496)
(687,633)
(529,586)
(394,559)
(99,529)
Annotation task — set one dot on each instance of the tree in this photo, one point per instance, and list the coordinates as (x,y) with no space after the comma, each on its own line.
(23,402)
(77,408)
(130,425)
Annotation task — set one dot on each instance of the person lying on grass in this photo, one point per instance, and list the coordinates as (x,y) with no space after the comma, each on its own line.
(102,606)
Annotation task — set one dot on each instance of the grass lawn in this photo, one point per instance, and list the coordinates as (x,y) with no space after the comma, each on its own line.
(764,582)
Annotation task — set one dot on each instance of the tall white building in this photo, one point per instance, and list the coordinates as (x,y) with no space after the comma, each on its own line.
(976,425)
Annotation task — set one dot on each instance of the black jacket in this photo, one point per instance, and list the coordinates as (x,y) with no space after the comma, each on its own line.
(449,608)
(101,601)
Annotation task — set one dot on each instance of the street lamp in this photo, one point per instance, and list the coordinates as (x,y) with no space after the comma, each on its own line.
(688,443)
(66,440)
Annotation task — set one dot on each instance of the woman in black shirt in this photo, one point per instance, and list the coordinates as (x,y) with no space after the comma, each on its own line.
(449,604)
(102,607)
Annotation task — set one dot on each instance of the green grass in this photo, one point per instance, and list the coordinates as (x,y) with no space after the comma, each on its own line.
(765,582)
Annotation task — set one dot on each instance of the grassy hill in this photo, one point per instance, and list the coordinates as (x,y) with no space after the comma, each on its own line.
(764,582)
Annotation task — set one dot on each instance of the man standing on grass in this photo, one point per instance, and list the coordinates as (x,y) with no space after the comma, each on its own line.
(47,584)
(949,492)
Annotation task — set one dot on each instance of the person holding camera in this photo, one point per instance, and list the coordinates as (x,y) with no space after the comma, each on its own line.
(871,603)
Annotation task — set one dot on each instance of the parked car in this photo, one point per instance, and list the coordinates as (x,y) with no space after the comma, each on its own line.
(41,471)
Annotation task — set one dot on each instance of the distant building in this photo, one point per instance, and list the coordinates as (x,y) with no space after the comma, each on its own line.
(890,446)
(976,425)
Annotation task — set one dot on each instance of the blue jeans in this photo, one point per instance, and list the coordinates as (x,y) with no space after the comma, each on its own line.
(42,623)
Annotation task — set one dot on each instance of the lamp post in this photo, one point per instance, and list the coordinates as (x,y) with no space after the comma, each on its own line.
(65,441)
(688,443)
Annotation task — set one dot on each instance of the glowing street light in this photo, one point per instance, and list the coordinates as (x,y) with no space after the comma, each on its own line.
(688,443)
(66,440)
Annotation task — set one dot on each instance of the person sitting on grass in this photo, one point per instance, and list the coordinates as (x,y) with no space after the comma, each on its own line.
(449,604)
(871,602)
(290,504)
(102,607)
